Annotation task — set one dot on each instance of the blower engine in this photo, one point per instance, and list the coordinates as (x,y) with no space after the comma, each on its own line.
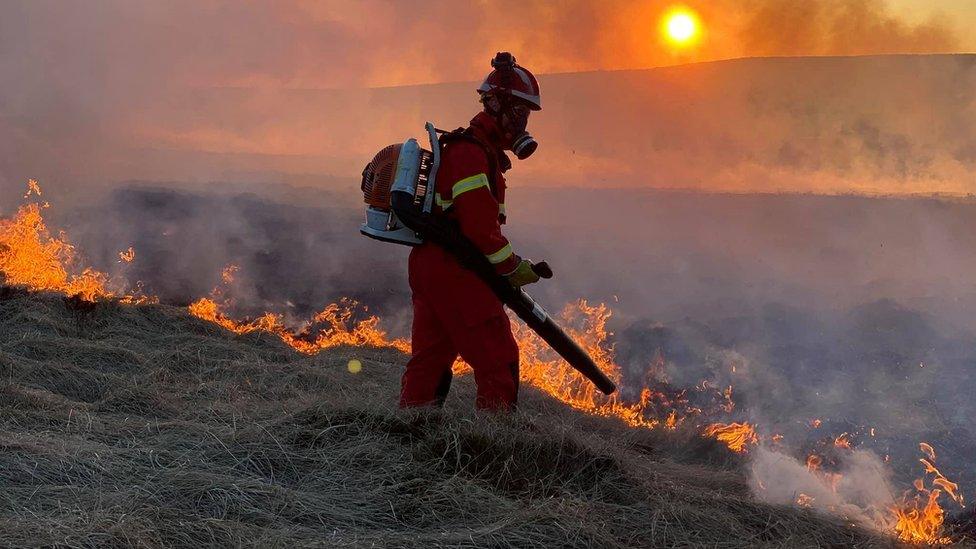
(406,168)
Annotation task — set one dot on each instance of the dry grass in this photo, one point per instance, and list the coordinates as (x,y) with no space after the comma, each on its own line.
(140,426)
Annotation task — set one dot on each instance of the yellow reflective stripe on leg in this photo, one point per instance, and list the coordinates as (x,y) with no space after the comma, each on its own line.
(501,255)
(469,184)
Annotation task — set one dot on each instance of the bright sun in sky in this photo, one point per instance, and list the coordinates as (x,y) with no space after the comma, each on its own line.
(681,26)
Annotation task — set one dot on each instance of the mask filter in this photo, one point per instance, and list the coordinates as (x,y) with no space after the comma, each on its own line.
(524,145)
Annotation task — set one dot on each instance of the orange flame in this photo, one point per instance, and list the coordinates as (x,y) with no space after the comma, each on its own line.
(31,257)
(127,256)
(32,188)
(804,500)
(843,441)
(227,275)
(337,318)
(735,435)
(919,519)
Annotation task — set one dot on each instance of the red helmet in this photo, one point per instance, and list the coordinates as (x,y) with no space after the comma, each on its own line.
(511,79)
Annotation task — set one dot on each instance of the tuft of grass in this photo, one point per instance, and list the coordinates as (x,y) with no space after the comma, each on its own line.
(140,426)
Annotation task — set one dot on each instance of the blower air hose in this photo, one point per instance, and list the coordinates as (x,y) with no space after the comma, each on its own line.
(443,232)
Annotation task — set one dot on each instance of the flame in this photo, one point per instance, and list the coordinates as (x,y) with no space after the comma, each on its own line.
(32,188)
(336,317)
(804,500)
(229,273)
(843,441)
(127,256)
(919,519)
(544,369)
(729,404)
(950,488)
(30,256)
(735,435)
(672,422)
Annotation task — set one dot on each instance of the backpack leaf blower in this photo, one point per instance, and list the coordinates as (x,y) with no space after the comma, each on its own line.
(399,186)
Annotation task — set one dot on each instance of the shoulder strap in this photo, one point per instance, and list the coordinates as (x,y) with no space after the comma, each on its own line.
(465,134)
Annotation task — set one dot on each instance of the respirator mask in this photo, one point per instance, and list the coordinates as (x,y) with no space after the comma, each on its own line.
(514,121)
(513,118)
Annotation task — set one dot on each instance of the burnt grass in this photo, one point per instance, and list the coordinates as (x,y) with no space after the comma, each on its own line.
(140,426)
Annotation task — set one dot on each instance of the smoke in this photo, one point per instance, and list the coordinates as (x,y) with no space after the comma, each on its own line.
(809,307)
(854,310)
(199,91)
(838,27)
(862,493)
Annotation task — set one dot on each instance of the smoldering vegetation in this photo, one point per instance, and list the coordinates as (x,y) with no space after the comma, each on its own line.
(141,426)
(848,310)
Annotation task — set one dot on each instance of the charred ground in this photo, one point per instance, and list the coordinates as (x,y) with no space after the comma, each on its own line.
(142,426)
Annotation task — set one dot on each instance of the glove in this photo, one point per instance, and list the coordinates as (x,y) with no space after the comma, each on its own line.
(522,275)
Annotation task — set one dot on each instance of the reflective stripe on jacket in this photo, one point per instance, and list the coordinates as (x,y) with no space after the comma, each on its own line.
(464,191)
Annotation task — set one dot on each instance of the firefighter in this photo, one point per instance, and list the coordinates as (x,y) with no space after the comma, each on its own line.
(455,312)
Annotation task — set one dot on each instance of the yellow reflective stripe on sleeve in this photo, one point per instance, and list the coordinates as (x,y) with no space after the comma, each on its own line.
(501,208)
(501,255)
(444,204)
(469,184)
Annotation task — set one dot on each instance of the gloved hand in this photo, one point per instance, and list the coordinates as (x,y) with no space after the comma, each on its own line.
(522,275)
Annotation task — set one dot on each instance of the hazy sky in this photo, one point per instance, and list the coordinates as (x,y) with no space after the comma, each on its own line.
(961,11)
(93,88)
(340,43)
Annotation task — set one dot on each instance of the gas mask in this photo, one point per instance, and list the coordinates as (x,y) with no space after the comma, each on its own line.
(514,121)
(513,118)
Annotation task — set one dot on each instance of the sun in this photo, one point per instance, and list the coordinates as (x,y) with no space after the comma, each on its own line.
(681,26)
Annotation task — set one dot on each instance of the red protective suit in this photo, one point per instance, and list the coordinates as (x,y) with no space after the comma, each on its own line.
(454,311)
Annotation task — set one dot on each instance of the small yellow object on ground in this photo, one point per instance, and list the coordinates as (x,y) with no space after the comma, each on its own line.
(355,366)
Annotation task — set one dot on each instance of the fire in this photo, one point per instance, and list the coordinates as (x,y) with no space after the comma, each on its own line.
(804,500)
(128,255)
(736,435)
(541,367)
(227,275)
(843,441)
(331,327)
(919,519)
(672,422)
(31,257)
(32,188)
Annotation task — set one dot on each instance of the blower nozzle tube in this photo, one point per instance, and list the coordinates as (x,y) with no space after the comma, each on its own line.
(443,233)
